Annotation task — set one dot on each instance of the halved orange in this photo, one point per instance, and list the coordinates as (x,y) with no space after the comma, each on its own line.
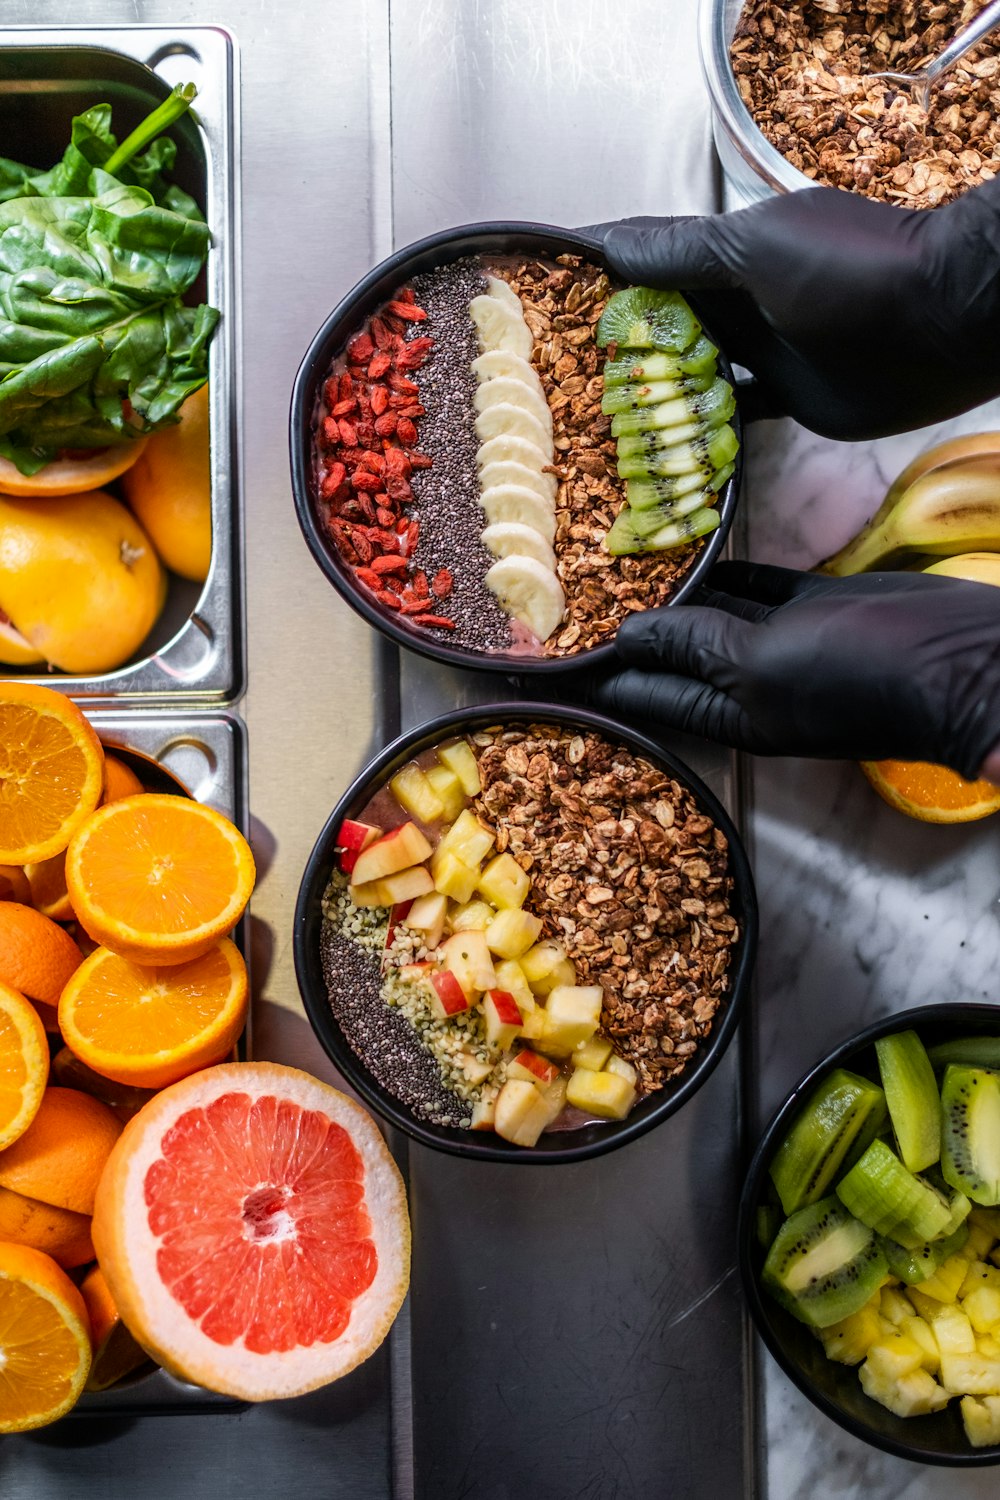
(252,1228)
(116,1352)
(51,772)
(158,878)
(45,1338)
(932,794)
(66,476)
(152,1026)
(24,1064)
(60,1157)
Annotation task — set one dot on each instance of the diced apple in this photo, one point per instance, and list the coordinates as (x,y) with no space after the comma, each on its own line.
(512,932)
(521,1112)
(474,1068)
(414,792)
(416,973)
(510,976)
(484,1113)
(572,1015)
(404,885)
(474,916)
(460,757)
(448,790)
(546,965)
(352,839)
(449,998)
(602,1094)
(554,1095)
(532,1068)
(504,883)
(427,916)
(397,918)
(468,958)
(395,850)
(625,1070)
(468,838)
(503,1019)
(453,878)
(593,1054)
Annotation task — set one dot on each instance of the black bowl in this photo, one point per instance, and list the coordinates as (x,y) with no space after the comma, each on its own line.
(835,1388)
(562,1146)
(345,320)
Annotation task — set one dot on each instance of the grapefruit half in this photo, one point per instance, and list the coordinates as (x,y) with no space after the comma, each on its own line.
(253,1231)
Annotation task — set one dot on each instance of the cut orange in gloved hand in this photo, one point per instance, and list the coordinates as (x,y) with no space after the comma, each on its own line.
(24,1064)
(158,878)
(151,1026)
(932,794)
(51,772)
(37,956)
(60,1157)
(45,1338)
(116,1352)
(252,1228)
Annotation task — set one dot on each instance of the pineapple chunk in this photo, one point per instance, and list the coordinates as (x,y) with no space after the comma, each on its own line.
(988,1344)
(970,1375)
(505,884)
(979,1274)
(894,1355)
(849,1340)
(982,1308)
(452,878)
(572,1015)
(602,1094)
(521,1112)
(593,1054)
(989,1218)
(448,789)
(414,792)
(510,976)
(927,1307)
(922,1333)
(460,757)
(512,932)
(912,1395)
(468,958)
(533,1025)
(953,1332)
(546,965)
(473,915)
(947,1279)
(980,1241)
(468,838)
(981,1420)
(624,1069)
(894,1305)
(426,916)
(554,1095)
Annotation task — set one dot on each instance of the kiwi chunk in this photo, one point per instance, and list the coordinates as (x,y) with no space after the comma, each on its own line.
(649,518)
(638,366)
(911,1093)
(968,1051)
(824,1264)
(633,397)
(880,1192)
(913,1266)
(638,317)
(709,408)
(624,538)
(643,494)
(811,1154)
(970,1132)
(703,454)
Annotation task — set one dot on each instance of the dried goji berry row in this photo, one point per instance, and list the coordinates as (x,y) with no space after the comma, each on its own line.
(367,452)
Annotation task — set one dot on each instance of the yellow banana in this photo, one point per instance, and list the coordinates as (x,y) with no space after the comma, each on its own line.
(977,567)
(955,450)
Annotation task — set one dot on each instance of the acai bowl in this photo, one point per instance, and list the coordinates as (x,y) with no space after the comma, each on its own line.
(495,459)
(525,933)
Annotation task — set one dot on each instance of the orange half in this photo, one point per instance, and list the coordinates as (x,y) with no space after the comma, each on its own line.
(45,1338)
(51,772)
(66,476)
(932,794)
(24,1064)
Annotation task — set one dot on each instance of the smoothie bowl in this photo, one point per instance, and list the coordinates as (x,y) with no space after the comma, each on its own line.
(497,455)
(525,934)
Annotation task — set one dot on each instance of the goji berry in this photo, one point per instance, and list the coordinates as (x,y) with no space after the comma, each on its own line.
(350,509)
(385,596)
(373,460)
(412,536)
(351,457)
(406,432)
(381,333)
(332,479)
(345,387)
(379,399)
(389,565)
(364,479)
(365,405)
(443,583)
(398,488)
(385,425)
(362,545)
(384,517)
(420,585)
(414,410)
(360,349)
(368,577)
(331,391)
(440,620)
(348,433)
(380,364)
(406,295)
(413,606)
(342,408)
(420,460)
(408,311)
(401,385)
(397,462)
(367,507)
(366,435)
(330,432)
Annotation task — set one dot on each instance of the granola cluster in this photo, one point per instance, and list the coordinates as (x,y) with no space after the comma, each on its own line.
(803,69)
(628,872)
(561,308)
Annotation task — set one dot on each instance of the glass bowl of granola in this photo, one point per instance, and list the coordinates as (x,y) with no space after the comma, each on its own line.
(525,933)
(795,106)
(488,472)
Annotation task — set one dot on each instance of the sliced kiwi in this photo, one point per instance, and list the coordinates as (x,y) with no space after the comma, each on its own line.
(649,518)
(880,1192)
(911,1093)
(824,1264)
(641,458)
(633,397)
(811,1154)
(970,1132)
(640,318)
(709,408)
(968,1051)
(643,367)
(913,1266)
(959,1206)
(644,494)
(767,1223)
(623,537)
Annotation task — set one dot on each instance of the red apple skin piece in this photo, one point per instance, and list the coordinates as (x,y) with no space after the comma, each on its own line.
(450,998)
(395,850)
(352,839)
(539,1067)
(397,916)
(507,1008)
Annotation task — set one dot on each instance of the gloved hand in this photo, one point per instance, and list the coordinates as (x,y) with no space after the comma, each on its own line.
(857,318)
(882,665)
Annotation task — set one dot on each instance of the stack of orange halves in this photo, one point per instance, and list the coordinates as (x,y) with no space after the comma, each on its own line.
(140,987)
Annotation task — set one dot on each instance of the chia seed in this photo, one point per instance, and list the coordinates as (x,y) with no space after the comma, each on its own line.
(446,496)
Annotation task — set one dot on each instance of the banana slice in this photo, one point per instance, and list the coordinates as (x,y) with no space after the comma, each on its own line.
(499,327)
(509,471)
(515,393)
(514,539)
(526,589)
(505,293)
(512,502)
(503,362)
(515,420)
(508,449)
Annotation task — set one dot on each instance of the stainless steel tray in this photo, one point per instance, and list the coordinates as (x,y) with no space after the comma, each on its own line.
(47,75)
(207,754)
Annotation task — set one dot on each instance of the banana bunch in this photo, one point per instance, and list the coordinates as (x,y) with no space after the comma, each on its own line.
(944,503)
(514,427)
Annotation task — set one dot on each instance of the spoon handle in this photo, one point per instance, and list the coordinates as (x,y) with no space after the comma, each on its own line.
(987,19)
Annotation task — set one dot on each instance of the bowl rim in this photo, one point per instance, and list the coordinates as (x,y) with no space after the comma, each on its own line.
(763,1311)
(603,1136)
(498,237)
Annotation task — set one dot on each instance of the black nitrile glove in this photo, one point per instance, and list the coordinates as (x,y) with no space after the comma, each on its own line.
(857,318)
(884,665)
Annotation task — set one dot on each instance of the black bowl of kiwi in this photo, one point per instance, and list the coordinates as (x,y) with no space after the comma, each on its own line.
(869,1235)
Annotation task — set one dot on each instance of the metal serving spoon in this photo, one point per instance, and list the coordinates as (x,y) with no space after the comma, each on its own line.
(921,81)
